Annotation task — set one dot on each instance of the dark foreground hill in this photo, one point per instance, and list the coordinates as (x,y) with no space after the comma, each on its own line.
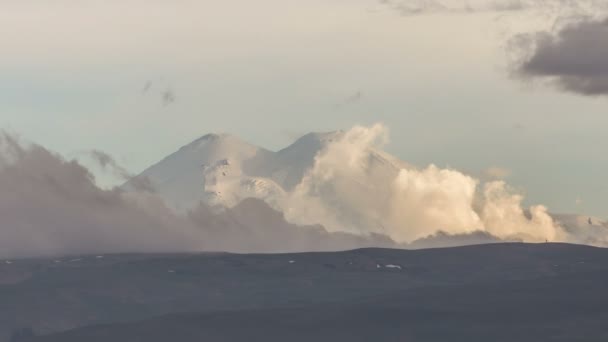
(507,292)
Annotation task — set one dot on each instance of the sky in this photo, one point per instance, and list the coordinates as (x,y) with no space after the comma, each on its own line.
(511,87)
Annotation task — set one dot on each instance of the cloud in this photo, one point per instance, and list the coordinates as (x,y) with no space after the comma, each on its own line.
(442,239)
(355,187)
(546,7)
(348,199)
(495,173)
(51,206)
(564,42)
(108,163)
(253,226)
(351,100)
(575,58)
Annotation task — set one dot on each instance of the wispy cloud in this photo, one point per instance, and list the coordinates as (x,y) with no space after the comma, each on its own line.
(108,163)
(570,51)
(496,173)
(547,7)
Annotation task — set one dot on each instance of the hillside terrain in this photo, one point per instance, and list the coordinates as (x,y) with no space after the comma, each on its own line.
(500,292)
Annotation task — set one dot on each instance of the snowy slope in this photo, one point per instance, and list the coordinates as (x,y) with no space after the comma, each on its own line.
(214,169)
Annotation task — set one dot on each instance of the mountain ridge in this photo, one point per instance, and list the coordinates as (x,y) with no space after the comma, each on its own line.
(378,290)
(344,181)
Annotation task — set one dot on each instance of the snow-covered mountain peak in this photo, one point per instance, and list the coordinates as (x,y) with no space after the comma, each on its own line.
(322,137)
(205,170)
(345,181)
(311,143)
(221,144)
(221,169)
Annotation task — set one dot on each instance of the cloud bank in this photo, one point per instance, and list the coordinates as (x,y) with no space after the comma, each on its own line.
(353,196)
(50,206)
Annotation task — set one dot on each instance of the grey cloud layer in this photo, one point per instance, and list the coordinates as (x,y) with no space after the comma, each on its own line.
(50,206)
(575,58)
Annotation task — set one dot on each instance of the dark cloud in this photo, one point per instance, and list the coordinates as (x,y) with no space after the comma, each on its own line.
(572,53)
(575,58)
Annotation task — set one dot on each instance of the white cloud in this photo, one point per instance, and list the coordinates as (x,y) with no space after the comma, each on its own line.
(350,188)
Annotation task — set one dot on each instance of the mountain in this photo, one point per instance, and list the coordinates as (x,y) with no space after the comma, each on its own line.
(217,169)
(345,182)
(501,292)
(222,170)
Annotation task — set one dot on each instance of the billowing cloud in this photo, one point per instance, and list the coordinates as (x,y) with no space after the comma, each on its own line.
(350,188)
(575,58)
